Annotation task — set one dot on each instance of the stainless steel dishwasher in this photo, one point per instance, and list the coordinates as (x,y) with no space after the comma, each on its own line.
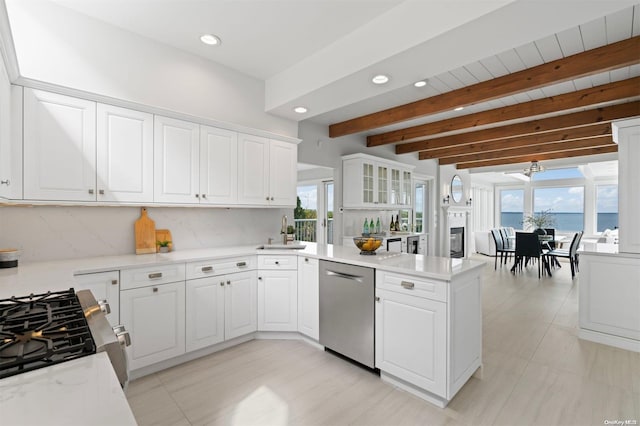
(347,310)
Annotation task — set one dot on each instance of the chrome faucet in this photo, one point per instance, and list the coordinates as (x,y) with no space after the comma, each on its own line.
(284,229)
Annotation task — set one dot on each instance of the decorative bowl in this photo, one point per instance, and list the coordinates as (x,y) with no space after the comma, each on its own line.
(368,244)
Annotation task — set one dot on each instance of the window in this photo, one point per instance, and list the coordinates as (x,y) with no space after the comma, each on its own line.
(568,173)
(606,207)
(306,213)
(566,205)
(511,208)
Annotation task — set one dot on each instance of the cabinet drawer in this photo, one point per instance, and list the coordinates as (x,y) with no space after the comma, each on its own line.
(151,275)
(213,267)
(276,261)
(410,285)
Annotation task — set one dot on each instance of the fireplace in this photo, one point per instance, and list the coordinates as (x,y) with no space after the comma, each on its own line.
(456,244)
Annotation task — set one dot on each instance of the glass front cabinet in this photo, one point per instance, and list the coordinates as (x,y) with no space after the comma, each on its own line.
(372,182)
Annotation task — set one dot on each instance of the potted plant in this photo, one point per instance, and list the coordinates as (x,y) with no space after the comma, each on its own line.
(539,221)
(163,246)
(291,230)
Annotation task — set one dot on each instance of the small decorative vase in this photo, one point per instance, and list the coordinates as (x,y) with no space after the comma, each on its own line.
(164,249)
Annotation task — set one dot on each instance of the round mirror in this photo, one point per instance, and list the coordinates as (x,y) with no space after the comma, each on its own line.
(456,188)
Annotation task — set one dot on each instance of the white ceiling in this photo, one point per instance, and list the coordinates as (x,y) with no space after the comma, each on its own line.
(322,53)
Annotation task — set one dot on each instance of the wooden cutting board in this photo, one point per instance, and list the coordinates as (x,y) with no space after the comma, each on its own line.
(145,233)
(164,235)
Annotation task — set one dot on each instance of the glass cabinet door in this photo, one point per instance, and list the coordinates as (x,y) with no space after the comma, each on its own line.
(406,188)
(367,183)
(383,185)
(395,186)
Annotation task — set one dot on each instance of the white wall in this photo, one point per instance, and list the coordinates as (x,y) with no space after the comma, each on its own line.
(317,148)
(51,232)
(59,46)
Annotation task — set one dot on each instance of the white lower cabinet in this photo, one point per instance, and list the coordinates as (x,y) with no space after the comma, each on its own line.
(411,339)
(278,300)
(155,318)
(308,297)
(240,304)
(205,312)
(103,286)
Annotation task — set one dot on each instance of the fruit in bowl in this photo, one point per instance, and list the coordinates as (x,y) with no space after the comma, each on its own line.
(367,245)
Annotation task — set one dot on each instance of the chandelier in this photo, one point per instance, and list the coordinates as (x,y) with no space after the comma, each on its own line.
(533,168)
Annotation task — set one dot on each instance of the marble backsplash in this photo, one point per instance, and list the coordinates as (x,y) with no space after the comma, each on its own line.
(63,232)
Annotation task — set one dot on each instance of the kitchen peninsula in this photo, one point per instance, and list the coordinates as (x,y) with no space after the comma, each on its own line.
(433,360)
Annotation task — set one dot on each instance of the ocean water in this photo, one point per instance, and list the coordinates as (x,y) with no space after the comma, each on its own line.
(564,221)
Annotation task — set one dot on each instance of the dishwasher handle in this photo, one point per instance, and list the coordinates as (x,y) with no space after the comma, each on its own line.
(345,276)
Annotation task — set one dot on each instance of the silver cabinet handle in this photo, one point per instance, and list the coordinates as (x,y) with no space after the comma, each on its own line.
(271,198)
(91,191)
(197,195)
(345,276)
(221,283)
(155,289)
(207,268)
(241,264)
(277,263)
(377,299)
(114,282)
(408,285)
(267,198)
(5,182)
(204,196)
(124,338)
(101,191)
(155,275)
(259,278)
(228,282)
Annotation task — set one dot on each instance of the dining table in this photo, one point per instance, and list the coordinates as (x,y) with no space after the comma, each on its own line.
(545,242)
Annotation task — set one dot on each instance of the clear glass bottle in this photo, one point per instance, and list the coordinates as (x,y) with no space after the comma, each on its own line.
(365,227)
(378,230)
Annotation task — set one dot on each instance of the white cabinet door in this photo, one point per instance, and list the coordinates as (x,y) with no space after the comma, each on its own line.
(277,300)
(124,155)
(283,174)
(155,318)
(176,161)
(240,304)
(218,166)
(104,286)
(205,312)
(59,147)
(308,297)
(253,170)
(411,339)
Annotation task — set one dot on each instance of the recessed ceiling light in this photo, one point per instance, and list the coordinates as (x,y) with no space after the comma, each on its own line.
(210,39)
(458,109)
(420,83)
(300,109)
(380,79)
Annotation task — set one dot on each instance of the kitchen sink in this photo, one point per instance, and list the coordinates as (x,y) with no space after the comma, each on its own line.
(281,247)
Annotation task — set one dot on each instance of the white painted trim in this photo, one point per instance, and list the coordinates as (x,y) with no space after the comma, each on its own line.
(616,126)
(420,393)
(54,88)
(7,47)
(610,339)
(378,160)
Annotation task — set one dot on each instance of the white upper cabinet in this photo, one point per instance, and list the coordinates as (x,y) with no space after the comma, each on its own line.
(176,161)
(59,147)
(218,166)
(266,171)
(371,182)
(124,155)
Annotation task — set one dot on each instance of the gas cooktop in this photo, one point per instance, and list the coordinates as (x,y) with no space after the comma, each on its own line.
(41,330)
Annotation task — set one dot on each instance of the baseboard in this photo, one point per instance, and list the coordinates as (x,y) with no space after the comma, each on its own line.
(408,387)
(609,339)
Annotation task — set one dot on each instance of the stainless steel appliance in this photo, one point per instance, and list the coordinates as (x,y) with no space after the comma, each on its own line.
(40,330)
(394,244)
(347,311)
(413,244)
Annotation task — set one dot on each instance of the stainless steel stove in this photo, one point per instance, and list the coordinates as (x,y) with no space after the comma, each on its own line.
(40,330)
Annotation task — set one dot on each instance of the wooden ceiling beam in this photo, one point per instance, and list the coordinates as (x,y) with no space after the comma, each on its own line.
(623,89)
(540,157)
(560,146)
(583,118)
(518,142)
(605,58)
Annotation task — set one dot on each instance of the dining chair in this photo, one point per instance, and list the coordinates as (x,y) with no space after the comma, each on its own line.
(571,254)
(500,248)
(507,243)
(528,248)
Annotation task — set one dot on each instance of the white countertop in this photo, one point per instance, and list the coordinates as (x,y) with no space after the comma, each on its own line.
(606,249)
(79,392)
(39,277)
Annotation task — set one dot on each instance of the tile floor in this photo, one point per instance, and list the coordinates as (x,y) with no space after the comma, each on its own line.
(536,372)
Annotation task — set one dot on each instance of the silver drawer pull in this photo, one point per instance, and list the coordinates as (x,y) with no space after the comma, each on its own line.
(155,289)
(207,268)
(114,282)
(155,275)
(277,263)
(241,264)
(408,285)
